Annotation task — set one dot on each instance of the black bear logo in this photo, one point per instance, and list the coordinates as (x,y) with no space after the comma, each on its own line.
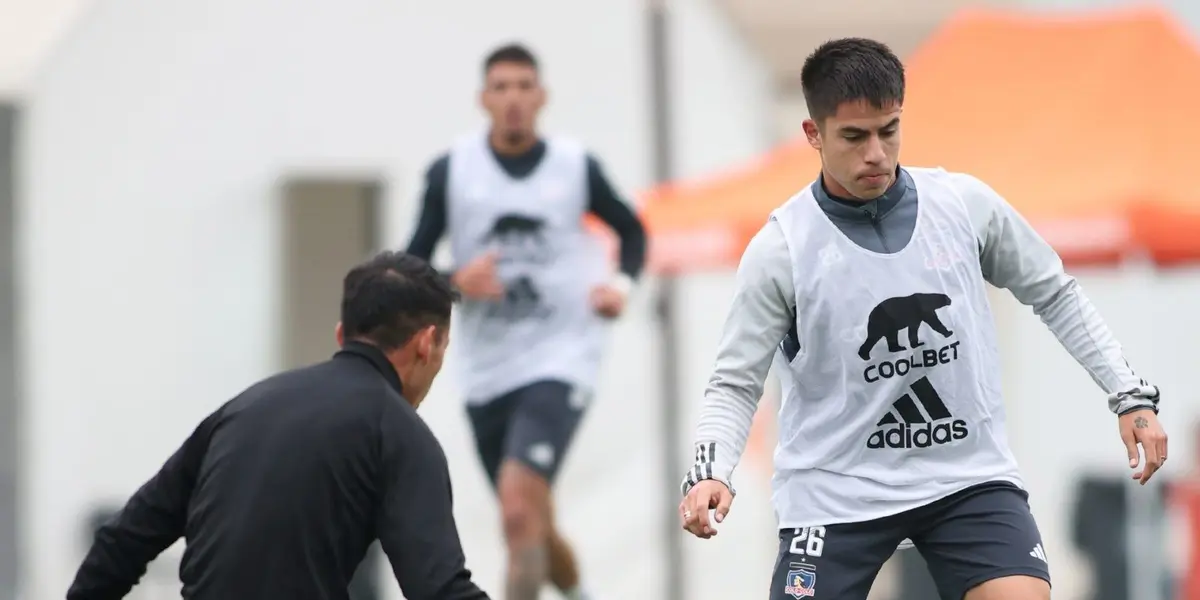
(904,312)
(516,225)
(521,238)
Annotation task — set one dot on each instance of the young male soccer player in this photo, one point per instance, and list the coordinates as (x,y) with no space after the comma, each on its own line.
(868,288)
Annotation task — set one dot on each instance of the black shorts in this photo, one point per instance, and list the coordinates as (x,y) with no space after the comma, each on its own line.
(981,533)
(533,424)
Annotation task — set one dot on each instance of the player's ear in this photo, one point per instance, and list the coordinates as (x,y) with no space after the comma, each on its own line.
(339,334)
(812,133)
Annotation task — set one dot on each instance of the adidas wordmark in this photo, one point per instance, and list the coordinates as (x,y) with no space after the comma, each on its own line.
(912,429)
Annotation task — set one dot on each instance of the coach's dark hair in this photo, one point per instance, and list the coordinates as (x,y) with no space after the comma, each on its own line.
(510,53)
(849,70)
(392,296)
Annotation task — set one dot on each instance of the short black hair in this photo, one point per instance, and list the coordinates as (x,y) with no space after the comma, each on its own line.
(848,70)
(389,298)
(510,53)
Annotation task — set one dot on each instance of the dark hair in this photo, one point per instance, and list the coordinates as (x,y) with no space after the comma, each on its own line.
(510,53)
(848,70)
(392,296)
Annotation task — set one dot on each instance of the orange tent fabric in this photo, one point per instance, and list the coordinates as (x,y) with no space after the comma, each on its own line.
(1086,124)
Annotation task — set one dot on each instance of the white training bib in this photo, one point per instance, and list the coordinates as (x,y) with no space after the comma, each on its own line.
(544,328)
(892,395)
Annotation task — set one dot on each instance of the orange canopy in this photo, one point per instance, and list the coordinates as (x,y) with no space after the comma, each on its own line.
(1086,124)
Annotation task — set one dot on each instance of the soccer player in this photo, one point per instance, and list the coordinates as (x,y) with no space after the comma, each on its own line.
(868,289)
(536,300)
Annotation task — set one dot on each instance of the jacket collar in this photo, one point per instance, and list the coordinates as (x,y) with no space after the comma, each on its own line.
(857,210)
(374,356)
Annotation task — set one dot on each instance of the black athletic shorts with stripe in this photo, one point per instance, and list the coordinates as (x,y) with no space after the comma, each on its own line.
(533,424)
(981,533)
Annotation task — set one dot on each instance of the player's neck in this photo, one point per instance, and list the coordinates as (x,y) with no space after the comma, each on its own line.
(508,145)
(836,191)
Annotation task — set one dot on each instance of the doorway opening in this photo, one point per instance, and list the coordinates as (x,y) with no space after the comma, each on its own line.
(328,226)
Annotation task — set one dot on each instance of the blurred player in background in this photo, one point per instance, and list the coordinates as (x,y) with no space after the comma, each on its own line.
(868,288)
(537,295)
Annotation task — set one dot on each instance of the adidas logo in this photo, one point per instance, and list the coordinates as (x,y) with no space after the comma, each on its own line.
(1039,553)
(912,429)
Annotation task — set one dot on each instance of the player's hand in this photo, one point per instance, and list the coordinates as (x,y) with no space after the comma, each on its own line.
(477,280)
(707,495)
(1141,427)
(608,300)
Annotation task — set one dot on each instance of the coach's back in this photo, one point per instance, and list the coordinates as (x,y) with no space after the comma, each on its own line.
(280,491)
(288,492)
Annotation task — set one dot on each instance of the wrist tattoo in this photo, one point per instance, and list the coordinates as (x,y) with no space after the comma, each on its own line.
(1141,423)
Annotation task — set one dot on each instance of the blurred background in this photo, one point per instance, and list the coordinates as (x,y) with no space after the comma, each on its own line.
(182,185)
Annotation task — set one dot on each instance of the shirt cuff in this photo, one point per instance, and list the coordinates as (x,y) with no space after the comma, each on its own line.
(707,468)
(1145,396)
(623,283)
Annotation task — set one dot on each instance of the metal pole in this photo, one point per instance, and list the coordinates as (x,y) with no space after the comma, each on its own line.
(10,401)
(672,440)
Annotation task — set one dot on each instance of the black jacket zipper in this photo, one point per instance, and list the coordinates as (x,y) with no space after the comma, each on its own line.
(873,213)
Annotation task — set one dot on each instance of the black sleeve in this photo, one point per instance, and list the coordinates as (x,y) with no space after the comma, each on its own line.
(605,204)
(416,518)
(431,225)
(150,522)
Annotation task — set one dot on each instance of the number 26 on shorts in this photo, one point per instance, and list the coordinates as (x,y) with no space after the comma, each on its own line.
(808,541)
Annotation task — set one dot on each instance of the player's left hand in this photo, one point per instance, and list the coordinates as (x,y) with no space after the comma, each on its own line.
(1141,427)
(608,300)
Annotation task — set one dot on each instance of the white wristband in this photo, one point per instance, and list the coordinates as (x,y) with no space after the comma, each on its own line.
(623,283)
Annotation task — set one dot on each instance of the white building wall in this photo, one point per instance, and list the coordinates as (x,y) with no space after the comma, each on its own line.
(29,29)
(156,133)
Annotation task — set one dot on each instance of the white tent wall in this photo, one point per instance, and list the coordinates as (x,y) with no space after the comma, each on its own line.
(157,131)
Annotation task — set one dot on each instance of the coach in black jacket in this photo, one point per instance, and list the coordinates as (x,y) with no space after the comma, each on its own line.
(279,492)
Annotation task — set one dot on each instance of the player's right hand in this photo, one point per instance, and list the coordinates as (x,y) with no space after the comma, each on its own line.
(477,280)
(708,494)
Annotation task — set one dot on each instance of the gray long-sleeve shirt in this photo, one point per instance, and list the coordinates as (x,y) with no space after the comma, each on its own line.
(1012,255)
